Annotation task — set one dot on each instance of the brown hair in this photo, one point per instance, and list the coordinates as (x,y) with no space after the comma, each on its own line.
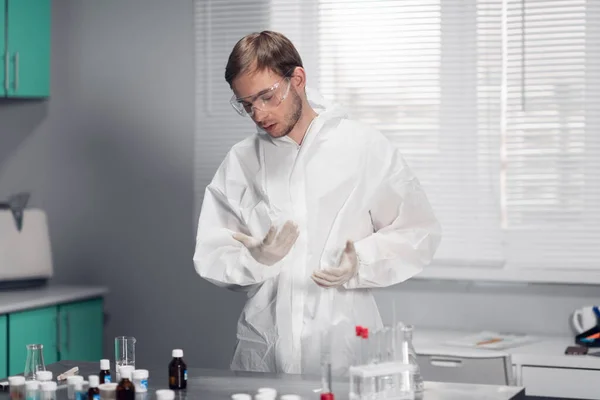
(260,51)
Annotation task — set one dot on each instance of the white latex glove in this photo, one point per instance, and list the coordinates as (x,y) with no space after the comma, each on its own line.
(274,246)
(337,276)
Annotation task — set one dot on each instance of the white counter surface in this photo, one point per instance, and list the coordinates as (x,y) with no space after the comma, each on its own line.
(22,299)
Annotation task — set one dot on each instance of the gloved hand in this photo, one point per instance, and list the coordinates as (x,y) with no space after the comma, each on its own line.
(274,246)
(335,277)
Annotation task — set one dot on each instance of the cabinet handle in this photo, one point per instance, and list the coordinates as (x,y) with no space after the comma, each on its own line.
(68,331)
(58,332)
(16,71)
(6,68)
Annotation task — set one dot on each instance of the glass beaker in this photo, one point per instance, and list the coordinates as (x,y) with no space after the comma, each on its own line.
(124,353)
(408,355)
(35,361)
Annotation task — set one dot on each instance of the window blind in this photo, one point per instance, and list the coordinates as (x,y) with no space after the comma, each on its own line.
(494,104)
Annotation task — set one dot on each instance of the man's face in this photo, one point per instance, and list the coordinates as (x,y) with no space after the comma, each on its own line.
(278,121)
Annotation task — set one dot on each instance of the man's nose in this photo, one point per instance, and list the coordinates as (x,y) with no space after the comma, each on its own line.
(258,115)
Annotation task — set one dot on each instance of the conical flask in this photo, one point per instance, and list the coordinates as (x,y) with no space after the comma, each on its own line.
(35,360)
(408,355)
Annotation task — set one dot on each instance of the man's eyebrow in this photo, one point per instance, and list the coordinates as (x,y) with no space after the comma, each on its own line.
(241,99)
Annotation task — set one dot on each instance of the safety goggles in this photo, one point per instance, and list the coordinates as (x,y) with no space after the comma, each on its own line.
(266,100)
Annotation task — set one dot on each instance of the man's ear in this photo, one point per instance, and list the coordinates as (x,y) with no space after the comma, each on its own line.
(298,79)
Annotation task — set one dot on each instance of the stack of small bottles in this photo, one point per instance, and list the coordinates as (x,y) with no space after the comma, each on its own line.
(385,365)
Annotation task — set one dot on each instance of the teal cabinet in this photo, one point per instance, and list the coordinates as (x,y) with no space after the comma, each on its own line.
(68,331)
(3,345)
(3,53)
(32,326)
(26,52)
(81,326)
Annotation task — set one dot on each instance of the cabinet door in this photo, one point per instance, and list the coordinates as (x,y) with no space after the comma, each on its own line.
(3,347)
(81,330)
(28,46)
(3,54)
(28,327)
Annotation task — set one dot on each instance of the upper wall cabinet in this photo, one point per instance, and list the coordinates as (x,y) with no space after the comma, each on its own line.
(25,48)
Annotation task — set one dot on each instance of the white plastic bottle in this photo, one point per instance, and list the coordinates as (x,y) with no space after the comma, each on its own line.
(32,390)
(165,394)
(43,376)
(48,390)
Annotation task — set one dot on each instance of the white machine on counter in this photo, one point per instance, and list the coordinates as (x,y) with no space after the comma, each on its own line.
(25,254)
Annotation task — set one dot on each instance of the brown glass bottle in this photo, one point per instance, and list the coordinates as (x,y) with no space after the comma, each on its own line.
(125,388)
(93,391)
(105,372)
(177,371)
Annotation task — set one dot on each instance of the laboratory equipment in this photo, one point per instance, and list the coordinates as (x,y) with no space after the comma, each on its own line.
(48,391)
(32,390)
(43,376)
(364,381)
(125,388)
(124,353)
(71,381)
(34,361)
(108,391)
(241,396)
(177,371)
(105,371)
(267,392)
(407,355)
(17,387)
(64,375)
(140,380)
(94,390)
(81,389)
(165,394)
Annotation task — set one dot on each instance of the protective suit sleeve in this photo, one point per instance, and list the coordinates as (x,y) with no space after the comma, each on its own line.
(406,231)
(218,257)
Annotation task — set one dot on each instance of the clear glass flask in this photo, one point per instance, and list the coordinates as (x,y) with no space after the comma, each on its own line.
(406,354)
(35,361)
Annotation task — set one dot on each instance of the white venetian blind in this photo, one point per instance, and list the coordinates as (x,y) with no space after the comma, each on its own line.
(552,139)
(494,104)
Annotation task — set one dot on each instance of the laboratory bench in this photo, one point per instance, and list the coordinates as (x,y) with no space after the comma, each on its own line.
(67,319)
(212,384)
(541,366)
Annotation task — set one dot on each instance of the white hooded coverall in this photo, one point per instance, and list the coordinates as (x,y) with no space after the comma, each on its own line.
(345,182)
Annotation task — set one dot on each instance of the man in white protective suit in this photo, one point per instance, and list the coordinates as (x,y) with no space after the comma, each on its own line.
(306,215)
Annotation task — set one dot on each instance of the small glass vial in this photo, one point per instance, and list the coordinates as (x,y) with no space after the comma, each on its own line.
(126,389)
(17,387)
(81,390)
(165,394)
(105,371)
(48,390)
(32,390)
(140,380)
(43,376)
(71,382)
(177,371)
(93,391)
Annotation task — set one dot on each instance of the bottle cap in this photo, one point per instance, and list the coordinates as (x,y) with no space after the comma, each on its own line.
(264,396)
(177,353)
(108,387)
(43,376)
(270,392)
(74,378)
(165,394)
(48,386)
(32,385)
(140,374)
(126,371)
(104,364)
(16,380)
(94,381)
(78,385)
(327,396)
(290,397)
(241,396)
